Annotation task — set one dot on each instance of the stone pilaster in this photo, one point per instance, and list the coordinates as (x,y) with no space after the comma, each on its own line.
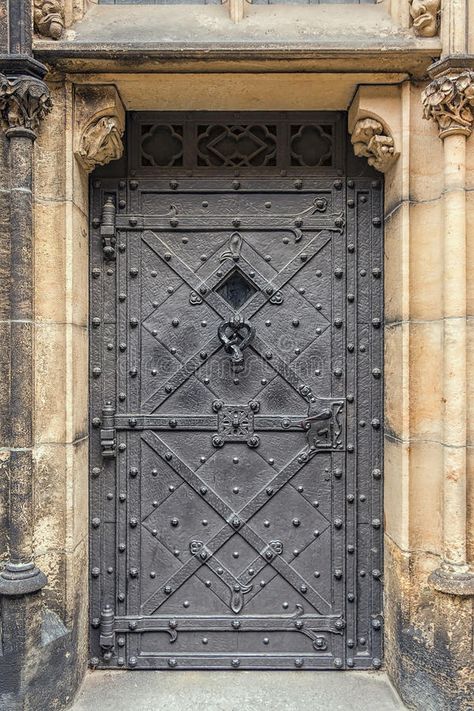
(449,101)
(24,101)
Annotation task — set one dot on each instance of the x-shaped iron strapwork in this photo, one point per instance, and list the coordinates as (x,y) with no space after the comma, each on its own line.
(267,291)
(235,522)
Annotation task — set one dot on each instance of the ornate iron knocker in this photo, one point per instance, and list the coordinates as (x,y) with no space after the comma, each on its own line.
(234,336)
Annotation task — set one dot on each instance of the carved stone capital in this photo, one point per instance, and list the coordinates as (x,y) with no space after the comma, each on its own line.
(100,124)
(24,102)
(449,100)
(49,18)
(371,140)
(425,16)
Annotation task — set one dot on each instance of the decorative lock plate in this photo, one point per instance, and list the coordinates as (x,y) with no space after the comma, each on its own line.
(235,423)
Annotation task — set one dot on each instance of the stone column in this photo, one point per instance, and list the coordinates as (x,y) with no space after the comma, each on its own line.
(24,101)
(449,100)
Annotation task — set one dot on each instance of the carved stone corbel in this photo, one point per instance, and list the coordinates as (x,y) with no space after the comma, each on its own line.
(99,125)
(425,15)
(370,140)
(49,18)
(449,100)
(24,101)
(371,135)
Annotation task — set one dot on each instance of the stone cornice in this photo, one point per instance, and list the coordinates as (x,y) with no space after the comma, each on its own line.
(24,102)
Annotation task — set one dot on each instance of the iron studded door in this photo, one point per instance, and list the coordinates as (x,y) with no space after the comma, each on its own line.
(236,360)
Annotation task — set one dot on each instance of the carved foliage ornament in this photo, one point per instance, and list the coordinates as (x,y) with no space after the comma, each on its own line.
(101,142)
(24,101)
(370,140)
(49,18)
(425,15)
(449,100)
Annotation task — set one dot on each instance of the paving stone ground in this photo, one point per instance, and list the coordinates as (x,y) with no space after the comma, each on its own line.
(236,691)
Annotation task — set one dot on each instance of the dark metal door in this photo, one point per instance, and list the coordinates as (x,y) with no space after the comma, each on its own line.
(236,360)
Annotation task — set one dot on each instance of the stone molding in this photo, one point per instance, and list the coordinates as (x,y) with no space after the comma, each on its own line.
(48,16)
(449,100)
(99,126)
(24,102)
(425,16)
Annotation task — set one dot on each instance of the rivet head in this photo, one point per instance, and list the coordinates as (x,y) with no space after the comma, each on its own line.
(95,522)
(174,522)
(298,663)
(338,663)
(376,663)
(172,663)
(235,663)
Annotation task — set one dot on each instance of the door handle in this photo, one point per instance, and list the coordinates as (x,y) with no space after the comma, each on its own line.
(235,335)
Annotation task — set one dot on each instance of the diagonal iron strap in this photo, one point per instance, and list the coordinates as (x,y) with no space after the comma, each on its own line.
(235,522)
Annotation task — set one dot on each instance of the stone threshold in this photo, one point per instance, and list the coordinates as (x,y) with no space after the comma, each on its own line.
(237,691)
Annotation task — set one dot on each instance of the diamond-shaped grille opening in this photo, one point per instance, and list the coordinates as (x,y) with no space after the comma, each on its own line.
(236,289)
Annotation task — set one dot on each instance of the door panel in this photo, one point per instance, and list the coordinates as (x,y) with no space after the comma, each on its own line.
(236,360)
